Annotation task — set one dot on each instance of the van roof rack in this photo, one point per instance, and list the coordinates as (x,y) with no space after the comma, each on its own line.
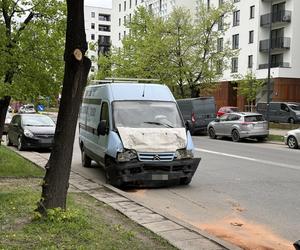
(118,80)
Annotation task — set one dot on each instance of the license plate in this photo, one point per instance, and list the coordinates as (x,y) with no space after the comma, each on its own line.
(160,177)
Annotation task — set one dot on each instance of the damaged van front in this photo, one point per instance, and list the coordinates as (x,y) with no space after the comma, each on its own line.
(137,134)
(156,149)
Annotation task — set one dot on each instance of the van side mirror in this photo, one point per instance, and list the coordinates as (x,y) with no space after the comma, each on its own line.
(188,125)
(102,129)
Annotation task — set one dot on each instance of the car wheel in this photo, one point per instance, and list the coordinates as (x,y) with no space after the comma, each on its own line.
(111,173)
(235,135)
(86,161)
(292,142)
(292,120)
(20,145)
(8,141)
(212,133)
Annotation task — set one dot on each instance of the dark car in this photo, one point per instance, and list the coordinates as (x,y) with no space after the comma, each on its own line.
(31,131)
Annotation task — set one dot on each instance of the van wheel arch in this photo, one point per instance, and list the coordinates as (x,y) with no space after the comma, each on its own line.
(291,120)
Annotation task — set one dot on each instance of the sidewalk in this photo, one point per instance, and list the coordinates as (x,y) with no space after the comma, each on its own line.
(176,232)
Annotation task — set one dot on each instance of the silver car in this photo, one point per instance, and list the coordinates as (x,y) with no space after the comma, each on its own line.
(292,138)
(239,125)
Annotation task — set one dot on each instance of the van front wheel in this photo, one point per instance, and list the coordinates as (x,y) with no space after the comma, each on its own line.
(85,159)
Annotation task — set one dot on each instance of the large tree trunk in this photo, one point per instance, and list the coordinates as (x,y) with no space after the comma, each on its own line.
(56,180)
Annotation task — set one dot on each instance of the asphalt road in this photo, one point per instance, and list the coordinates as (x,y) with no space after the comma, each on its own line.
(246,193)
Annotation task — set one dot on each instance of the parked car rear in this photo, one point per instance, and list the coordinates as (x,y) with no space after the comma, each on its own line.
(27,109)
(30,131)
(199,111)
(292,138)
(227,109)
(238,126)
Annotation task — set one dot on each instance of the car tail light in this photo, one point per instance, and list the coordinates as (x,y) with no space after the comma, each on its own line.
(193,118)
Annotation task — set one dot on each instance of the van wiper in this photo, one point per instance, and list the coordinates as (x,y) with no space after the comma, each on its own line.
(160,124)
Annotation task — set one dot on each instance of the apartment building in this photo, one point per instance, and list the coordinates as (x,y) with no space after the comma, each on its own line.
(98,32)
(249,33)
(123,10)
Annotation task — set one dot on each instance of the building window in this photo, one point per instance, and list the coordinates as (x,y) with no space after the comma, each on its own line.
(124,33)
(124,20)
(93,69)
(102,27)
(208,4)
(250,61)
(135,2)
(120,22)
(124,5)
(160,5)
(130,18)
(92,26)
(220,44)
(130,4)
(92,36)
(251,36)
(234,65)
(92,14)
(221,2)
(219,68)
(236,18)
(120,7)
(119,36)
(236,1)
(252,10)
(235,41)
(221,23)
(103,17)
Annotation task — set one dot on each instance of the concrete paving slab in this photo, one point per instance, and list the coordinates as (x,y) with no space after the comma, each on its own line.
(179,235)
(162,226)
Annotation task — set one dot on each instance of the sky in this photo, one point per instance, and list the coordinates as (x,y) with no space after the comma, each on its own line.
(99,3)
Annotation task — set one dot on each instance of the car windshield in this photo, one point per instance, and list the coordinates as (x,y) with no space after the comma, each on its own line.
(146,114)
(294,107)
(254,118)
(37,120)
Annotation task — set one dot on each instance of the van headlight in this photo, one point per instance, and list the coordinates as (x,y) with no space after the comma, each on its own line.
(28,133)
(127,155)
(184,154)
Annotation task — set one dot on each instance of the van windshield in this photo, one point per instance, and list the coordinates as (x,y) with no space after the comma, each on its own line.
(146,114)
(294,107)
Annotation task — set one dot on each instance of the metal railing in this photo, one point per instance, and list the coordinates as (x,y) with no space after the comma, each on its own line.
(283,16)
(276,43)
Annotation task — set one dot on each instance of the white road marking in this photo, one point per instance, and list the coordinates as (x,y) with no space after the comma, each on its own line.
(283,165)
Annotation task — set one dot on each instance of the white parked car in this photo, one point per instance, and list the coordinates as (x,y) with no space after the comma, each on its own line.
(292,138)
(27,109)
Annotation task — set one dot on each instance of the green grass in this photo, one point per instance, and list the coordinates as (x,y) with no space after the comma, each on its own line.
(279,138)
(87,224)
(13,165)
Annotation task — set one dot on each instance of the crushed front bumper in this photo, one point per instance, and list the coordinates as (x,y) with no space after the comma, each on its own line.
(154,173)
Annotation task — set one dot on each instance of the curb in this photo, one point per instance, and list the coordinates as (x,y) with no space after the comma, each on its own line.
(172,225)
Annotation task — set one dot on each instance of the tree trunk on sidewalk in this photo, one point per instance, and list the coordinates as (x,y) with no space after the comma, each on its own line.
(4,102)
(77,66)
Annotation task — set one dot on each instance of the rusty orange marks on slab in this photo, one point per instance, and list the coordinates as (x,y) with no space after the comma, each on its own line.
(247,235)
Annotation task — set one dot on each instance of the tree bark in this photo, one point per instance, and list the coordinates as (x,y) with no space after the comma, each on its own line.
(77,66)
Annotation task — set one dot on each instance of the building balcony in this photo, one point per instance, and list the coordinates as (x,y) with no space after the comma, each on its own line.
(274,65)
(279,43)
(283,16)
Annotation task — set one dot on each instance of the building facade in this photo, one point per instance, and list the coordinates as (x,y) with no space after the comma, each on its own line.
(249,33)
(98,32)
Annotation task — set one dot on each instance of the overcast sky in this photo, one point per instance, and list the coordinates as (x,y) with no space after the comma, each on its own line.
(98,3)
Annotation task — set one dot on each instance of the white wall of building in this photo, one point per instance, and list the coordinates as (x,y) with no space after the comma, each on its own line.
(92,22)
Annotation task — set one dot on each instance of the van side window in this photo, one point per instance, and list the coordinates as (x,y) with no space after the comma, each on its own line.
(284,107)
(104,112)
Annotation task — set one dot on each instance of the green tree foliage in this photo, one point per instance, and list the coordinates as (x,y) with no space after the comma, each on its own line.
(180,51)
(249,87)
(31,48)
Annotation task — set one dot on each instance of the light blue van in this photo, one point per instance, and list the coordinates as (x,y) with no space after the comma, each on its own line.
(137,134)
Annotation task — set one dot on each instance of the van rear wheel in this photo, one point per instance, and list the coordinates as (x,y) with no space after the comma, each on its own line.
(292,120)
(86,161)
